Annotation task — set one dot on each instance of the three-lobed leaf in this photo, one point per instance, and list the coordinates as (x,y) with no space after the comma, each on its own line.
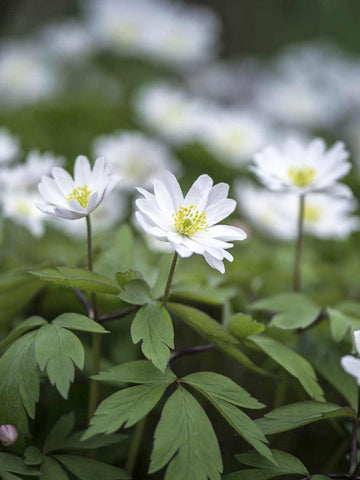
(152,326)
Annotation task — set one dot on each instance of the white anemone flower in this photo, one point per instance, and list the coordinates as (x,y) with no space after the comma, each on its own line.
(9,146)
(77,197)
(303,168)
(137,157)
(189,224)
(351,364)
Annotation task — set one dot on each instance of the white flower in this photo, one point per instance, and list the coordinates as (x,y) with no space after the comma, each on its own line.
(135,156)
(77,197)
(20,207)
(169,112)
(325,216)
(302,168)
(9,146)
(351,364)
(232,135)
(189,224)
(8,435)
(25,76)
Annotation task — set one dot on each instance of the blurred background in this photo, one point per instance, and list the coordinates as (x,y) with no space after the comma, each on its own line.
(193,87)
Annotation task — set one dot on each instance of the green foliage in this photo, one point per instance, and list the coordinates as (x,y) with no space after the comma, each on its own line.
(19,382)
(75,321)
(25,326)
(203,293)
(52,470)
(32,456)
(118,254)
(298,414)
(296,310)
(293,363)
(133,289)
(285,464)
(89,469)
(153,326)
(185,439)
(10,465)
(341,323)
(77,278)
(242,326)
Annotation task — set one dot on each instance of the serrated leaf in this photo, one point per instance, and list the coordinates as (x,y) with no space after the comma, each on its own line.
(341,323)
(89,469)
(13,464)
(285,464)
(153,327)
(125,408)
(136,292)
(27,325)
(78,278)
(184,437)
(75,321)
(32,456)
(242,326)
(302,413)
(223,388)
(291,361)
(57,351)
(52,470)
(19,382)
(117,254)
(138,371)
(296,310)
(59,433)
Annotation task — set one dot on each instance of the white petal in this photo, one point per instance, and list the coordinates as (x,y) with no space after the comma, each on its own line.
(50,192)
(214,263)
(227,233)
(174,190)
(46,208)
(351,365)
(163,197)
(82,171)
(218,211)
(218,192)
(63,180)
(92,203)
(68,214)
(199,192)
(149,227)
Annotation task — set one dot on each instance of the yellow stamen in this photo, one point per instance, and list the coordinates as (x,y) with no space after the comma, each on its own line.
(302,177)
(188,220)
(312,214)
(81,194)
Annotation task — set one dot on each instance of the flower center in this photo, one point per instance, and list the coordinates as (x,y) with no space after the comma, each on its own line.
(302,177)
(188,220)
(81,194)
(312,214)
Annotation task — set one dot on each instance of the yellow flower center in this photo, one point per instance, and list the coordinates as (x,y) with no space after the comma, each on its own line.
(188,220)
(302,177)
(23,208)
(312,214)
(81,194)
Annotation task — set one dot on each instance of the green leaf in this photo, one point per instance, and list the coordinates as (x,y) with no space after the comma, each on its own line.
(75,321)
(285,464)
(162,276)
(296,310)
(13,464)
(78,278)
(204,294)
(340,324)
(19,382)
(52,470)
(136,292)
(242,326)
(223,388)
(125,408)
(32,456)
(293,363)
(138,371)
(59,433)
(58,351)
(122,278)
(153,326)
(75,442)
(117,254)
(184,437)
(319,477)
(25,326)
(234,352)
(89,469)
(302,413)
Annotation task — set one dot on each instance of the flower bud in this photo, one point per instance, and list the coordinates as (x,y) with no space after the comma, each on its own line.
(8,435)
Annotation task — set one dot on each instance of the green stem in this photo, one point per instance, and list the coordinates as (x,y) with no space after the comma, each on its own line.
(96,347)
(135,447)
(169,280)
(299,244)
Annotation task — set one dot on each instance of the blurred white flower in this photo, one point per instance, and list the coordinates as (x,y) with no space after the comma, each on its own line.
(167,31)
(18,192)
(325,216)
(169,111)
(74,198)
(103,219)
(67,40)
(301,168)
(136,157)
(232,135)
(25,76)
(351,364)
(188,224)
(9,146)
